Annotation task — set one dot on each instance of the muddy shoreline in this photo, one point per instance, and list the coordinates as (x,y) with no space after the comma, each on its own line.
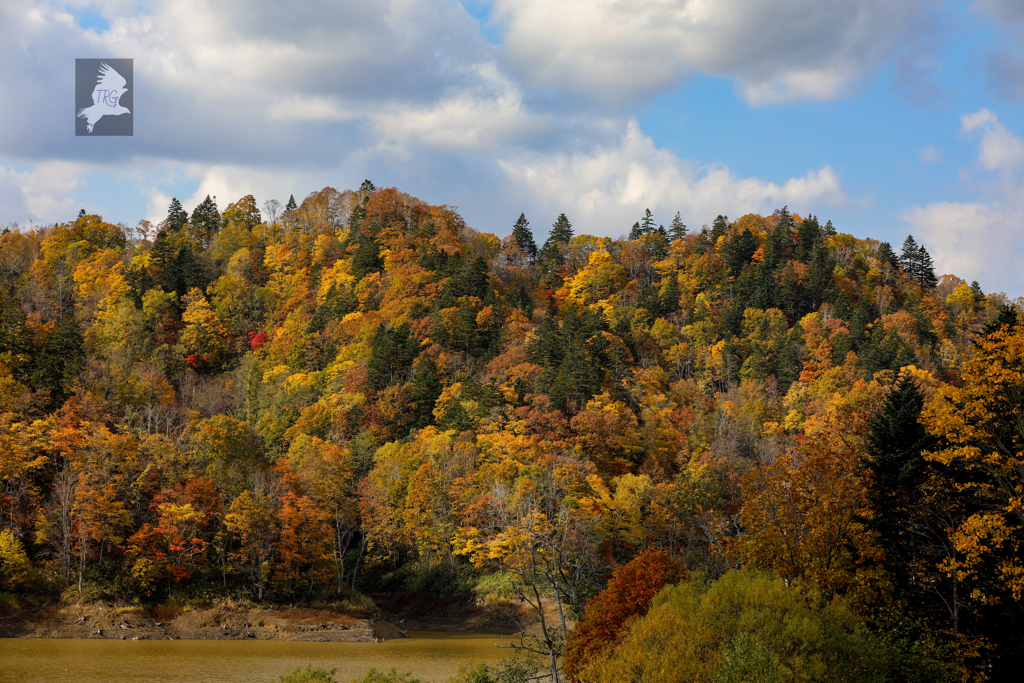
(393,616)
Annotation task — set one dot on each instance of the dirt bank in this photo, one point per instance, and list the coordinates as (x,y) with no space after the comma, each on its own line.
(396,614)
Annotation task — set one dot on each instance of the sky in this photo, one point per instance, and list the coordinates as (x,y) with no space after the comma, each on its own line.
(888,117)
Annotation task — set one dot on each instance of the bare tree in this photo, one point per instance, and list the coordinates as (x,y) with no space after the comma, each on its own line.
(272,209)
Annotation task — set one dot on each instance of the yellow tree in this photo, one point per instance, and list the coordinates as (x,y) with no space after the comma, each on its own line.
(981,423)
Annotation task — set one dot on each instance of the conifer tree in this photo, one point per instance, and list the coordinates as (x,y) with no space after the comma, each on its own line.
(677,229)
(61,359)
(205,220)
(561,231)
(524,237)
(718,227)
(896,444)
(887,255)
(635,232)
(925,274)
(426,388)
(367,258)
(176,215)
(647,222)
(910,255)
(291,205)
(367,186)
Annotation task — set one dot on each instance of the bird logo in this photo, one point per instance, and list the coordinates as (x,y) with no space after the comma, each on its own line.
(110,87)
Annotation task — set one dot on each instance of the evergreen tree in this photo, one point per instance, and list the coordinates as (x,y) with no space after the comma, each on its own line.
(367,258)
(896,444)
(670,294)
(188,273)
(60,361)
(392,351)
(163,258)
(807,237)
(677,230)
(81,213)
(979,295)
(1006,314)
(887,255)
(291,205)
(205,220)
(635,232)
(176,215)
(476,281)
(426,389)
(925,274)
(561,231)
(524,237)
(367,186)
(718,227)
(909,257)
(647,222)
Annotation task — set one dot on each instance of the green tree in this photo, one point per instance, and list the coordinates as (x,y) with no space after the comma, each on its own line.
(205,220)
(747,621)
(524,237)
(677,230)
(176,215)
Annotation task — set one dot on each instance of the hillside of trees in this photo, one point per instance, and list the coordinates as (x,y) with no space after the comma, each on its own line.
(756,447)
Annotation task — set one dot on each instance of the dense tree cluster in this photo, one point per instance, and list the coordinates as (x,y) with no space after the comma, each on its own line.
(359,392)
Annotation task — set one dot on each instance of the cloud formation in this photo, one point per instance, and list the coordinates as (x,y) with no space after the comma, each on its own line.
(964,235)
(775,52)
(606,189)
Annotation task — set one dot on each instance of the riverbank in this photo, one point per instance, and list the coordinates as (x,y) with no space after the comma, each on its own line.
(390,618)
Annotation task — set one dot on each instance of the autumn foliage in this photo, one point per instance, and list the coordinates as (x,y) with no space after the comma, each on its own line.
(365,394)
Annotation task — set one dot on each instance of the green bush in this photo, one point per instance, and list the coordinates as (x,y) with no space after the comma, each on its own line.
(310,675)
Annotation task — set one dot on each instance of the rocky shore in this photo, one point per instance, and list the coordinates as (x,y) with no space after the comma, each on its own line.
(396,614)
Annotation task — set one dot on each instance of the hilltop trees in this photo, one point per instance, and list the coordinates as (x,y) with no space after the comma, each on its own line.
(369,394)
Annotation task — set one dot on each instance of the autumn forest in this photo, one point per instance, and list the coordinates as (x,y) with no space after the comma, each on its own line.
(760,449)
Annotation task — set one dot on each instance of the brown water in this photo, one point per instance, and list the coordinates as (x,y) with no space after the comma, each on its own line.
(430,656)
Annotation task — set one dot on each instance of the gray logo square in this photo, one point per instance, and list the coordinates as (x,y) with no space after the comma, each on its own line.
(103,97)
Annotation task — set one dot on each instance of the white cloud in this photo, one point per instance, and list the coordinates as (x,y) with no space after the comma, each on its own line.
(930,155)
(981,240)
(605,190)
(1001,149)
(775,52)
(40,193)
(974,241)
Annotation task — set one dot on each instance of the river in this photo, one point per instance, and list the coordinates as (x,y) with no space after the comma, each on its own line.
(431,656)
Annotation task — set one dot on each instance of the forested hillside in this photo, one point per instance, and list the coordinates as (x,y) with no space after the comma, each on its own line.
(362,394)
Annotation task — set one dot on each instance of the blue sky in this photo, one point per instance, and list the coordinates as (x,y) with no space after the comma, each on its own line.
(888,117)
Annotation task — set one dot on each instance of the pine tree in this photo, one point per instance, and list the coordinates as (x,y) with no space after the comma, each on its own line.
(561,231)
(205,220)
(163,257)
(925,274)
(909,257)
(896,444)
(718,228)
(426,389)
(61,360)
(367,258)
(367,186)
(670,294)
(176,215)
(677,230)
(647,222)
(635,232)
(807,237)
(475,280)
(291,205)
(524,237)
(887,255)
